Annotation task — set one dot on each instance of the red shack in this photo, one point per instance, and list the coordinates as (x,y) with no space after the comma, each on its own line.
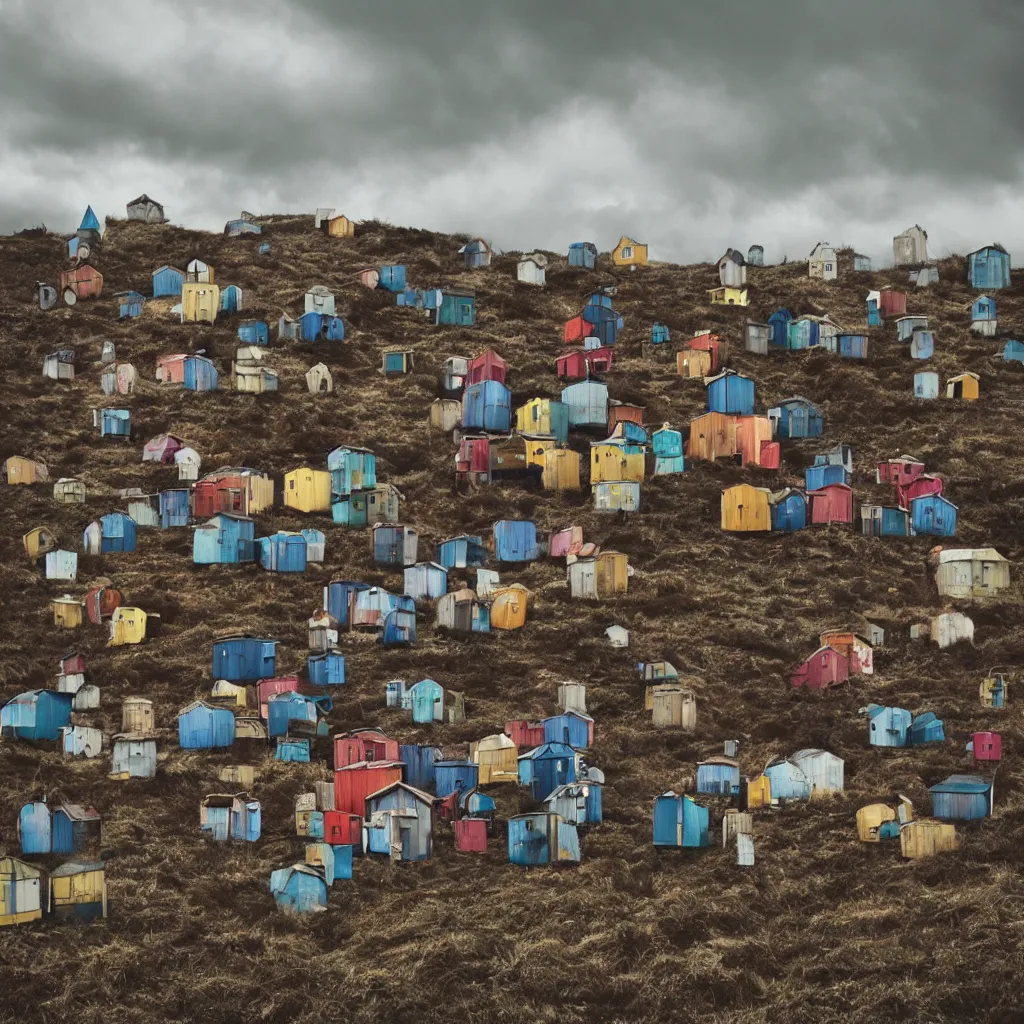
(71,663)
(898,471)
(624,412)
(355,782)
(81,283)
(921,485)
(892,302)
(363,745)
(526,735)
(987,746)
(101,602)
(825,667)
(473,460)
(267,688)
(487,366)
(576,330)
(471,835)
(343,829)
(831,504)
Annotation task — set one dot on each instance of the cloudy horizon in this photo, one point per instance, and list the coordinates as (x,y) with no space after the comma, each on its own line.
(688,127)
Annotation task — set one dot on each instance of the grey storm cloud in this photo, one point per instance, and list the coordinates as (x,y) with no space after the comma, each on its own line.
(690,125)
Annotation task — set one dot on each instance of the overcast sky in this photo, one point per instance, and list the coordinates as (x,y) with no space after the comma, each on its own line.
(686,124)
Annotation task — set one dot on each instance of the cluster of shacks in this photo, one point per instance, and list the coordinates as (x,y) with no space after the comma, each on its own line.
(387,798)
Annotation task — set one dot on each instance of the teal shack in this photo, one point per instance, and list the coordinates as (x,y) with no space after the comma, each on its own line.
(667,445)
(299,889)
(542,838)
(458,307)
(679,821)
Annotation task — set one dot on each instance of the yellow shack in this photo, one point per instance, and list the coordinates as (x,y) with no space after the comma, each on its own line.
(691,362)
(964,385)
(127,626)
(38,541)
(20,470)
(498,758)
(613,461)
(308,490)
(629,253)
(508,607)
(561,470)
(79,890)
(340,226)
(745,509)
(200,302)
(926,837)
(67,612)
(727,295)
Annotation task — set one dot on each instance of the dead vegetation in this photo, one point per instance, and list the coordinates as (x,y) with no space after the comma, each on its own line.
(823,929)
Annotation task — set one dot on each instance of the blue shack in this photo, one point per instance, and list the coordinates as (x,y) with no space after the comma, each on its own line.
(406,822)
(487,406)
(852,346)
(573,728)
(582,254)
(1013,351)
(604,321)
(427,701)
(200,374)
(283,552)
(455,777)
(922,345)
(542,838)
(547,767)
(458,307)
(732,393)
(778,328)
(339,598)
(291,749)
(285,708)
(202,726)
(129,304)
(926,384)
(587,402)
(117,533)
(983,308)
(392,277)
(230,299)
(399,624)
(244,658)
(167,281)
(887,727)
(874,313)
(795,418)
(225,539)
(351,469)
(667,445)
(884,521)
(254,332)
(962,798)
(327,668)
(989,267)
(788,780)
(113,422)
(579,803)
(241,226)
(34,828)
(659,334)
(314,326)
(926,728)
(36,715)
(174,508)
(515,540)
(718,776)
(394,545)
(74,828)
(816,477)
(933,515)
(679,821)
(789,511)
(299,889)
(419,761)
(462,552)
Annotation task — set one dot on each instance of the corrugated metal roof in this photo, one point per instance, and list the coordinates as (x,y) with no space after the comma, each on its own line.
(962,784)
(969,555)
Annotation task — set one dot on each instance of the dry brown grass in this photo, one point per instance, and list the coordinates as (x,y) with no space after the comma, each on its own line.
(823,930)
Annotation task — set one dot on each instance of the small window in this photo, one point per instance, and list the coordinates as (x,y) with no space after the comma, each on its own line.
(627,252)
(529,824)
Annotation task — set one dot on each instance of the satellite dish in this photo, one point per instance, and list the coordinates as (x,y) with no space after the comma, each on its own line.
(70,298)
(83,251)
(595,775)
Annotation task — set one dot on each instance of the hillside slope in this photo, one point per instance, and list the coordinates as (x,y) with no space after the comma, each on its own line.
(823,929)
